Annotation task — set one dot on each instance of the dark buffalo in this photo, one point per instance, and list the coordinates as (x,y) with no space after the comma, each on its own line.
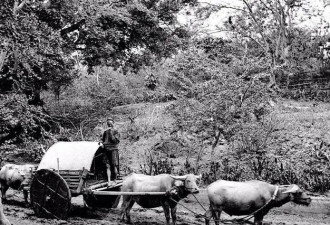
(16,177)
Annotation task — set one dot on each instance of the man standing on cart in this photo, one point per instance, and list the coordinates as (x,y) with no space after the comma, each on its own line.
(110,141)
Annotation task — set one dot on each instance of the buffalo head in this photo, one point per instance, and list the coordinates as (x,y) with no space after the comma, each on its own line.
(297,195)
(188,182)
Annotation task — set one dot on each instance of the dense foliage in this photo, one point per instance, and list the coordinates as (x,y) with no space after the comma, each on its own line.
(32,60)
(128,34)
(218,101)
(20,121)
(32,56)
(44,42)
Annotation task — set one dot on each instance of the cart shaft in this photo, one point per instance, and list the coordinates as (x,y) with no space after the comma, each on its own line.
(126,193)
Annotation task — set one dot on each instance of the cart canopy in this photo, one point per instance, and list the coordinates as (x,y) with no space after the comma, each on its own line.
(69,156)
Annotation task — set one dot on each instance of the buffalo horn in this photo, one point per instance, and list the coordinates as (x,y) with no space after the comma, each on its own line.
(292,189)
(178,177)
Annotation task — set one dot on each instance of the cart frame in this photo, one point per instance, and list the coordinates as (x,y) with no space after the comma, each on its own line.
(65,171)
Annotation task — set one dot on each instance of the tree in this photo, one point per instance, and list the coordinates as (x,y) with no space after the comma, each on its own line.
(215,101)
(269,25)
(38,38)
(127,34)
(224,100)
(33,57)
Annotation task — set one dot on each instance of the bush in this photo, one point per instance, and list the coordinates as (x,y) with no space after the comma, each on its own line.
(155,164)
(20,121)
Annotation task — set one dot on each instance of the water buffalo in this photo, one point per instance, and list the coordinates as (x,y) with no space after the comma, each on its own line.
(176,187)
(245,198)
(16,177)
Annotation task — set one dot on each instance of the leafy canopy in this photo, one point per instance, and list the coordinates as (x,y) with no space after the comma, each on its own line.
(38,40)
(129,34)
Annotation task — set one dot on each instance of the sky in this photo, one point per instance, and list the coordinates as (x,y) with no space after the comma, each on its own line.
(326,13)
(303,20)
(216,19)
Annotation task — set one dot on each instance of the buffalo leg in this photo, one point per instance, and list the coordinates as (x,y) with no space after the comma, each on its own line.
(126,200)
(4,189)
(166,209)
(258,218)
(126,206)
(214,212)
(26,194)
(257,221)
(216,216)
(208,216)
(128,209)
(173,214)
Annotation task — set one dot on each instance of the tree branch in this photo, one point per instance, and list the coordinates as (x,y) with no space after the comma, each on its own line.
(247,36)
(258,25)
(73,27)
(267,7)
(220,131)
(245,92)
(222,6)
(18,7)
(3,56)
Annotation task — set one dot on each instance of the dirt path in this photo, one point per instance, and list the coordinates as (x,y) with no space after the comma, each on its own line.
(317,214)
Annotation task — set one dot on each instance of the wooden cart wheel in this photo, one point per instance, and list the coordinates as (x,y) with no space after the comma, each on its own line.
(50,195)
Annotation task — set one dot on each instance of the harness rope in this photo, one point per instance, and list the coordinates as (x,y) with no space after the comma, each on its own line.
(186,207)
(199,202)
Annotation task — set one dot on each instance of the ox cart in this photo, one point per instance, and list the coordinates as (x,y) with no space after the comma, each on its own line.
(70,169)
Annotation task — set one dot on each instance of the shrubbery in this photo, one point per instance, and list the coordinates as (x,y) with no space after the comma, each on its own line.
(20,121)
(25,129)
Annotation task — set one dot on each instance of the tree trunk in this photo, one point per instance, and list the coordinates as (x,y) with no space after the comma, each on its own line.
(3,55)
(217,138)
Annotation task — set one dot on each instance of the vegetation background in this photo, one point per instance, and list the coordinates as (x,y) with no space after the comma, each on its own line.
(253,105)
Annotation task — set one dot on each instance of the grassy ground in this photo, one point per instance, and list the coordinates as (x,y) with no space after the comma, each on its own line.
(308,120)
